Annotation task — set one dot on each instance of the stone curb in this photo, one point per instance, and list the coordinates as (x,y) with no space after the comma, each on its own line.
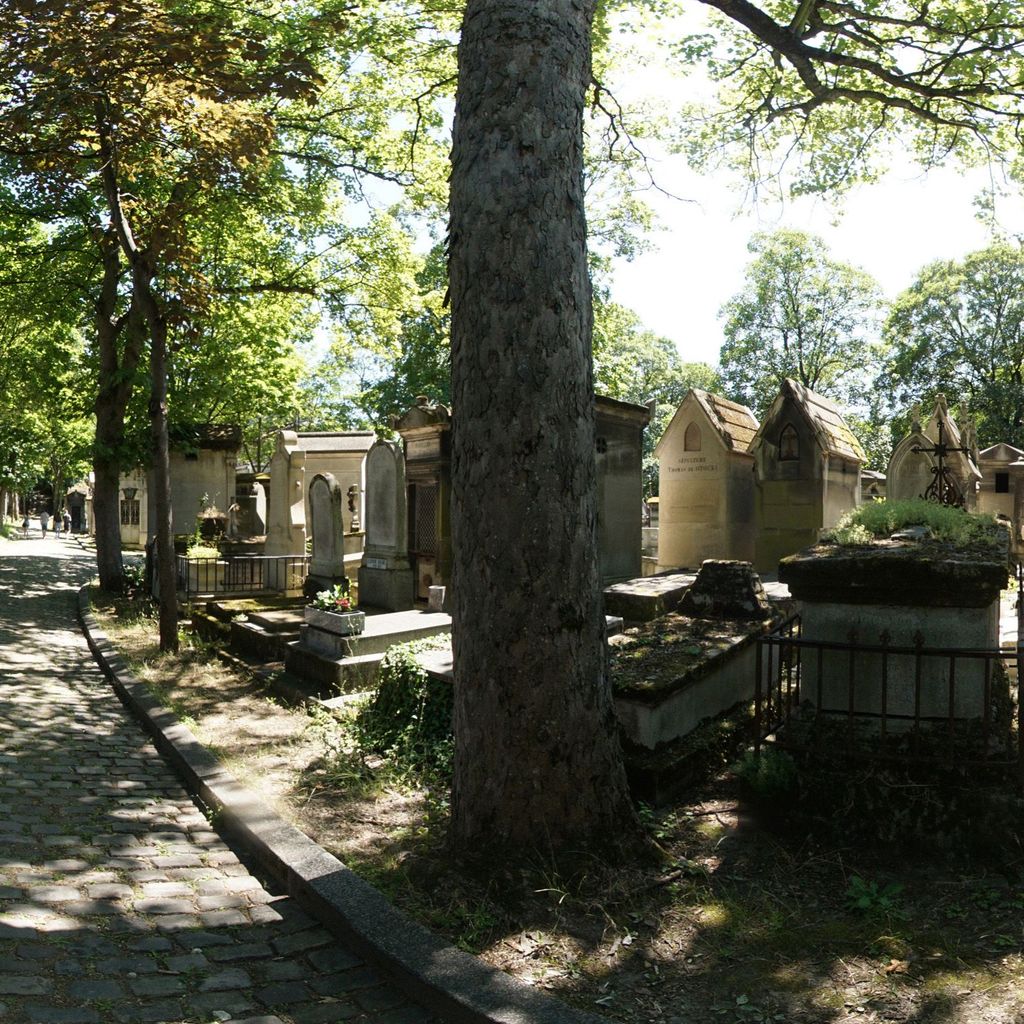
(456,986)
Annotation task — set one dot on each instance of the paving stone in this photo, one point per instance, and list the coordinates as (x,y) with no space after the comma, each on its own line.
(333,958)
(233,977)
(282,993)
(301,941)
(324,1012)
(24,985)
(346,981)
(62,1015)
(157,985)
(164,906)
(284,970)
(112,878)
(95,988)
(242,951)
(231,1002)
(408,1014)
(385,998)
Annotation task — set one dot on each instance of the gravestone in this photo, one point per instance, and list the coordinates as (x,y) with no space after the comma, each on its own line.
(327,564)
(386,577)
(726,589)
(910,473)
(706,483)
(807,465)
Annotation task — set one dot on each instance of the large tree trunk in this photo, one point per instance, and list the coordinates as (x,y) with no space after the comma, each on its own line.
(537,758)
(167,588)
(116,381)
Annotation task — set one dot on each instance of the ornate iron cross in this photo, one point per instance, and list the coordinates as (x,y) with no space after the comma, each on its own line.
(943,488)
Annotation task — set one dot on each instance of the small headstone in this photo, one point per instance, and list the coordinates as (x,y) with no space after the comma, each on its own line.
(327,564)
(385,577)
(912,533)
(435,599)
(726,589)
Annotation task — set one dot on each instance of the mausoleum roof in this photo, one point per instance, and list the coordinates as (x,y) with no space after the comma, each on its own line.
(214,437)
(1001,452)
(735,422)
(825,417)
(336,441)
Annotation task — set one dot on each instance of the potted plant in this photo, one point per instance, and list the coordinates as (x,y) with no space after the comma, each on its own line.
(335,612)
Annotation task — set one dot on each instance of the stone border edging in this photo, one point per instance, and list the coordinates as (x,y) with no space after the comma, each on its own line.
(453,984)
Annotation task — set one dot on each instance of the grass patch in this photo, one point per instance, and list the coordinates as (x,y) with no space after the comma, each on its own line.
(743,920)
(881,518)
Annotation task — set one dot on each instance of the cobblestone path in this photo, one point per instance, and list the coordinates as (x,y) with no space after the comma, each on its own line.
(118,901)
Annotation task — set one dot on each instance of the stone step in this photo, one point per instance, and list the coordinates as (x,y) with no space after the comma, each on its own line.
(438,664)
(647,597)
(347,675)
(284,620)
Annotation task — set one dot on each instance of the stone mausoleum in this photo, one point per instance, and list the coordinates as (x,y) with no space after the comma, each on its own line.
(914,461)
(706,483)
(807,465)
(202,468)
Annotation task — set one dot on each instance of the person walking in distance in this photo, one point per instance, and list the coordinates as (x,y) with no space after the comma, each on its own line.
(44,522)
(67,523)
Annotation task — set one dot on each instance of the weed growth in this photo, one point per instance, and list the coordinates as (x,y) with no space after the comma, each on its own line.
(881,518)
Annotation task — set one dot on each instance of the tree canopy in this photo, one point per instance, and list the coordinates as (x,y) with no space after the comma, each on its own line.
(825,88)
(959,328)
(802,314)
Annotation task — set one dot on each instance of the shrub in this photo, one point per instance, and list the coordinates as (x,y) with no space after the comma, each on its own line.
(769,776)
(409,719)
(881,518)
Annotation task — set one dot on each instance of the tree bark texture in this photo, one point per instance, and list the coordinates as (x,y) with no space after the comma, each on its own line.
(537,759)
(167,587)
(116,381)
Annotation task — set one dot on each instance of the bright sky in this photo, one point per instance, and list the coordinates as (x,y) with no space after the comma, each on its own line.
(890,229)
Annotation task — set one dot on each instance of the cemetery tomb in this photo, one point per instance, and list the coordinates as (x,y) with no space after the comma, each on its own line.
(250,499)
(1016,470)
(872,485)
(426,434)
(286,505)
(672,673)
(340,453)
(706,483)
(914,462)
(899,592)
(202,470)
(998,484)
(620,495)
(385,576)
(807,472)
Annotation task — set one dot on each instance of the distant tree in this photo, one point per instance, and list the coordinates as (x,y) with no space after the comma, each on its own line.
(959,329)
(633,364)
(528,643)
(802,315)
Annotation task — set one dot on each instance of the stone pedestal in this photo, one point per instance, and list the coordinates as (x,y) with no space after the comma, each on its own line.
(899,594)
(385,576)
(331,633)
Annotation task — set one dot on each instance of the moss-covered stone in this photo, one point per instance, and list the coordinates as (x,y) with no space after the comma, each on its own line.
(901,572)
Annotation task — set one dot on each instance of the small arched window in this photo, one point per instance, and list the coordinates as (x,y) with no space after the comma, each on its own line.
(789,444)
(691,439)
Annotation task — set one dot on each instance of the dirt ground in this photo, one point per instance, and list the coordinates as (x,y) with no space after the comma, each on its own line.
(745,920)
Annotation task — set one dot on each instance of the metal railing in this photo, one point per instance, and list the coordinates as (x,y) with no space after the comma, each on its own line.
(241,574)
(882,701)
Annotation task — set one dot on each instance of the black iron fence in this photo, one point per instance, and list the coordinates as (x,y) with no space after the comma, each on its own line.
(241,574)
(881,701)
